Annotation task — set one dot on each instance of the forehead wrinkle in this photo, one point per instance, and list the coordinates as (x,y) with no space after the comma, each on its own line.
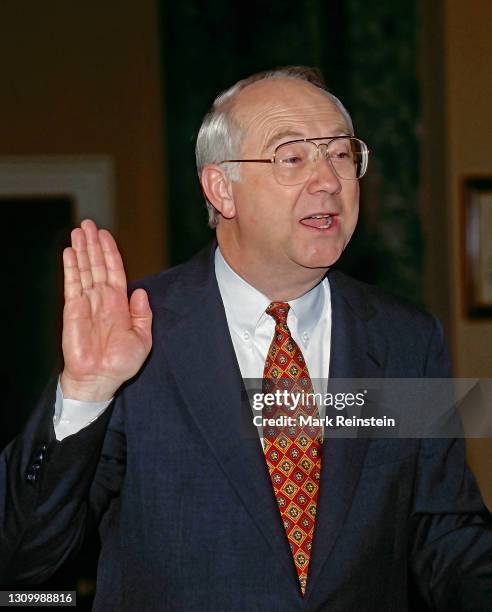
(297,126)
(271,119)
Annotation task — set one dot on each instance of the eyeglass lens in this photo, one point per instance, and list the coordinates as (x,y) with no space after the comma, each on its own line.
(295,161)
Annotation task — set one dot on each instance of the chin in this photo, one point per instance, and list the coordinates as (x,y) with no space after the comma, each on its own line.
(320,258)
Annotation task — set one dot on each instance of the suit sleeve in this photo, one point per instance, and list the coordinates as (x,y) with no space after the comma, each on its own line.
(451,536)
(53,492)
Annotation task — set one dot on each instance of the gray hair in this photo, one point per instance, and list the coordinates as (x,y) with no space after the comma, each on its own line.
(221,136)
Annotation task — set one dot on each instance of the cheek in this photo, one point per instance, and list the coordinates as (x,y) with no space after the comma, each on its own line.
(351,204)
(265,204)
(257,222)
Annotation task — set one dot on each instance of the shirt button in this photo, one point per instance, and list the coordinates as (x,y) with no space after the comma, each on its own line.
(305,336)
(246,335)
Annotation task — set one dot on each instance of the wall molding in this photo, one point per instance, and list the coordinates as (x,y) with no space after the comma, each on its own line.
(87,179)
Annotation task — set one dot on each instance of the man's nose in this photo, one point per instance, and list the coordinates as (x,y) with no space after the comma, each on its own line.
(324,177)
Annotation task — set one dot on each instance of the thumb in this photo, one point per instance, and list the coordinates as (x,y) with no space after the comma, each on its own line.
(141,315)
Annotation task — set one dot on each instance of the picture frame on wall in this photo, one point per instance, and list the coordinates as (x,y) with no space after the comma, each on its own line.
(478,247)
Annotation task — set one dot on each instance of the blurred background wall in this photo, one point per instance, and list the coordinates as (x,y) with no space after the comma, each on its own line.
(81,84)
(85,79)
(456,143)
(125,84)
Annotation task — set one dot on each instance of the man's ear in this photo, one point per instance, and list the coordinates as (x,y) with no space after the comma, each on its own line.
(218,190)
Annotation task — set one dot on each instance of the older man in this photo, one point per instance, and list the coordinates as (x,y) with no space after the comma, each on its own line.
(196,509)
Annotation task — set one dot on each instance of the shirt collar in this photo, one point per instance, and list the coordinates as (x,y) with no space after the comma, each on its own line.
(245,305)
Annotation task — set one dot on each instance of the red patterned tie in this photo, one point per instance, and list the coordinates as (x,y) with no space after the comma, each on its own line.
(292,451)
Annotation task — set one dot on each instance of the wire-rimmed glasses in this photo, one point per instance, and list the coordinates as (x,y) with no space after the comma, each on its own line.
(294,162)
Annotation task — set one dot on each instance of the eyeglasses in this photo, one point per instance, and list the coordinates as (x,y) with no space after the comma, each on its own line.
(295,161)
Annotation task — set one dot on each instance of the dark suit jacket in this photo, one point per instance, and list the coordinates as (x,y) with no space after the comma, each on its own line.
(183,499)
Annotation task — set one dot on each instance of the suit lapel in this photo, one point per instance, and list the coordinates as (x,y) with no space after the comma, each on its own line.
(199,347)
(355,353)
(195,339)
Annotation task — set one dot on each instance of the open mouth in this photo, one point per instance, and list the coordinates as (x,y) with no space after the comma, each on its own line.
(319,221)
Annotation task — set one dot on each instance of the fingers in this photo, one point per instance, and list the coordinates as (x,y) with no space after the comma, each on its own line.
(79,244)
(72,282)
(94,251)
(141,315)
(114,264)
(98,258)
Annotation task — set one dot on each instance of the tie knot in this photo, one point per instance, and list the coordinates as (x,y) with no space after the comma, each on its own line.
(279,311)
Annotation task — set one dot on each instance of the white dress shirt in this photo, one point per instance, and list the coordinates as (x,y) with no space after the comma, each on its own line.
(251,330)
(73,415)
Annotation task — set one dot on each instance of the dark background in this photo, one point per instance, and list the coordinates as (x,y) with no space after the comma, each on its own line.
(371,56)
(368,55)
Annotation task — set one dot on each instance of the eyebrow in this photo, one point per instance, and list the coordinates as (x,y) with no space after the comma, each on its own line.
(291,133)
(282,134)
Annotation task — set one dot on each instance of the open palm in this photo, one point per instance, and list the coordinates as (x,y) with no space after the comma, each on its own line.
(106,337)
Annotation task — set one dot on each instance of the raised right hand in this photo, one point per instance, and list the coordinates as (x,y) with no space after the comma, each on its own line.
(106,338)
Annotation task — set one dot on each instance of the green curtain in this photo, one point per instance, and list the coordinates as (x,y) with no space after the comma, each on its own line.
(367,52)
